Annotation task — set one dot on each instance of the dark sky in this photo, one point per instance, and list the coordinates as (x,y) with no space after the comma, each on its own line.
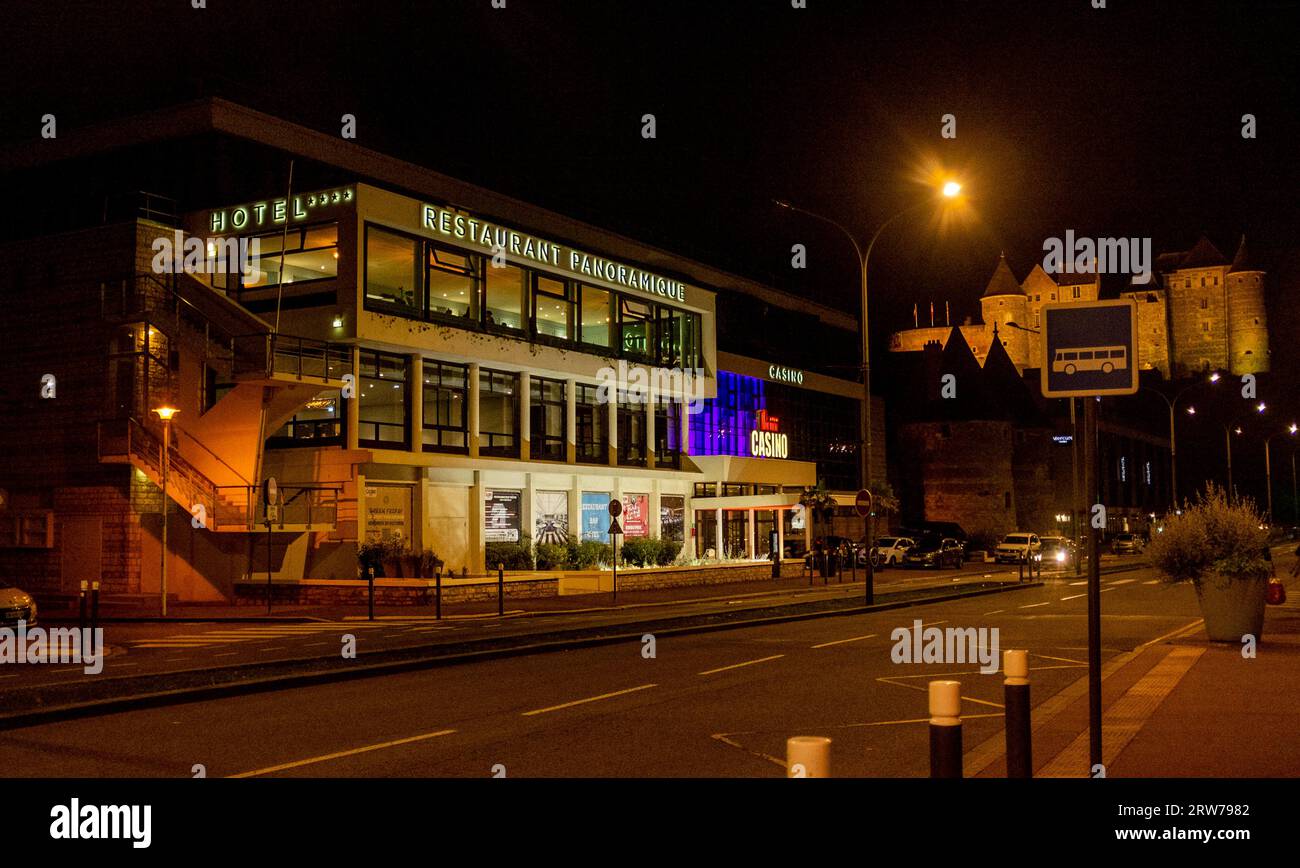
(1124,120)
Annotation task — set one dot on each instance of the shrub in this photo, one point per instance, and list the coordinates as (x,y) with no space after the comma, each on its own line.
(514,555)
(668,552)
(589,554)
(1219,533)
(640,551)
(552,556)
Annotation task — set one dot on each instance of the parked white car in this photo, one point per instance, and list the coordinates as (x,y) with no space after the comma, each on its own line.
(889,550)
(16,605)
(1018,548)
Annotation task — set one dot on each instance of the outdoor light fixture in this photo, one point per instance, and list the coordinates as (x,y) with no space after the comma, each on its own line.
(951,189)
(166,412)
(1261,406)
(338,320)
(1191,411)
(1214,378)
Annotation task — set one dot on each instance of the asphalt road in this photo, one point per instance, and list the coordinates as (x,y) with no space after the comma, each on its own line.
(152,647)
(711,704)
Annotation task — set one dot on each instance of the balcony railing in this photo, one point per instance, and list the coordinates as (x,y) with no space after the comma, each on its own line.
(268,355)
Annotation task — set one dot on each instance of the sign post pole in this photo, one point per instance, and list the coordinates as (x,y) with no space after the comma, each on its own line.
(865,508)
(1094,589)
(615,510)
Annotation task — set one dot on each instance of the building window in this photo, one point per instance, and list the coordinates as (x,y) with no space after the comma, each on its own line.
(1205,304)
(1076,292)
(706,489)
(318,423)
(552,310)
(1205,326)
(592,416)
(503,299)
(678,338)
(668,434)
(498,413)
(595,307)
(635,327)
(310,253)
(446,393)
(140,377)
(451,282)
(631,431)
(382,414)
(547,415)
(392,281)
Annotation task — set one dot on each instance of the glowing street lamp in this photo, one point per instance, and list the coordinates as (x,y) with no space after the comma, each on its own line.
(951,189)
(165,413)
(1173,439)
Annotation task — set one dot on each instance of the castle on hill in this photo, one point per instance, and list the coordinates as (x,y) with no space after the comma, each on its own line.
(1196,312)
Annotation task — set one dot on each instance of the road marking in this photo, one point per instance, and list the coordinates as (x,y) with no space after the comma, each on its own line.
(994,612)
(271,648)
(1035,605)
(329,756)
(226,654)
(1121,721)
(738,665)
(842,641)
(186,645)
(1152,582)
(1084,582)
(588,699)
(1104,590)
(1121,581)
(1073,597)
(1062,659)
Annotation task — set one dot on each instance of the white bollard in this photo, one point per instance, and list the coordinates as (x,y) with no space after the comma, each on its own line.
(808,756)
(945,729)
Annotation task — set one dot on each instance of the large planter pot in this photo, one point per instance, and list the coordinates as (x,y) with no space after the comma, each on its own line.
(392,568)
(1232,607)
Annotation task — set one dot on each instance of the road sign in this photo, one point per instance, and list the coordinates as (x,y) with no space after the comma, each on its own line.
(1089,349)
(862,503)
(270,491)
(615,508)
(613,527)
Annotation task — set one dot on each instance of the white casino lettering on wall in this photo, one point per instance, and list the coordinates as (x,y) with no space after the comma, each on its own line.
(490,236)
(767,441)
(785,375)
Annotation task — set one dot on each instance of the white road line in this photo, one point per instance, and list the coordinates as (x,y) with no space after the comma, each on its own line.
(343,753)
(842,641)
(1073,597)
(1152,582)
(1084,582)
(994,612)
(1034,605)
(227,654)
(1121,581)
(588,699)
(738,665)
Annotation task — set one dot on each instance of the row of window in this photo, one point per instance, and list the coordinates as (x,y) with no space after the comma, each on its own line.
(416,278)
(384,419)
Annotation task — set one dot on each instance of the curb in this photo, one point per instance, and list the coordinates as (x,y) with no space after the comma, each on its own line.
(200,684)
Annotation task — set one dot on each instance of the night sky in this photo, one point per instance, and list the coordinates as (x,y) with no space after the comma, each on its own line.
(1119,121)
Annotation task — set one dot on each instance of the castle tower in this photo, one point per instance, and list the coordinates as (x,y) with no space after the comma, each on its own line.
(1247,324)
(1198,309)
(1004,301)
(1152,324)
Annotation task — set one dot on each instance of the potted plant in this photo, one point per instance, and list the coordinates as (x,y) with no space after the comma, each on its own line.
(411,563)
(391,549)
(430,563)
(370,558)
(1219,544)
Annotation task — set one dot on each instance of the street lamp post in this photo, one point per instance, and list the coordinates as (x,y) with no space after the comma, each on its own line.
(165,413)
(1268,468)
(949,190)
(1173,440)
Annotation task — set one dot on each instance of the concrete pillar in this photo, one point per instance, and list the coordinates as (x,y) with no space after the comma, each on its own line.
(612,409)
(526,523)
(751,546)
(719,548)
(525,415)
(477,525)
(353,404)
(571,423)
(471,431)
(575,507)
(415,401)
(780,532)
(652,504)
(650,433)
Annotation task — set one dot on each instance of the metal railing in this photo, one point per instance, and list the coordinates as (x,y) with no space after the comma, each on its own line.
(301,506)
(269,354)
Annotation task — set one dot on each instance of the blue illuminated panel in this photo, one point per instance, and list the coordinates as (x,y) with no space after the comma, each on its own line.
(724,425)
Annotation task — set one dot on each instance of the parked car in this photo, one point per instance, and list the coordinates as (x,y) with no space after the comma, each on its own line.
(889,550)
(936,552)
(16,605)
(1018,548)
(842,544)
(1127,544)
(1058,551)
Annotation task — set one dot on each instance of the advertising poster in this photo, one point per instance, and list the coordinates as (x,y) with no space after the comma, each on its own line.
(551,517)
(636,515)
(672,517)
(595,516)
(501,515)
(388,512)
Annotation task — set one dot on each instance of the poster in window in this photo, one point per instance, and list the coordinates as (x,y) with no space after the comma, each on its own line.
(501,515)
(388,512)
(551,517)
(672,517)
(595,516)
(636,515)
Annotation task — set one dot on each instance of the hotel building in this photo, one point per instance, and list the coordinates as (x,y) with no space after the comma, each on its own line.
(405,355)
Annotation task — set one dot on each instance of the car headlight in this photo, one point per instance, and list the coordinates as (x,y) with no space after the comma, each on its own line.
(1060,557)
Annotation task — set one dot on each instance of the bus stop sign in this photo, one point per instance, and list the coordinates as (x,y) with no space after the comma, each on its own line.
(1090,348)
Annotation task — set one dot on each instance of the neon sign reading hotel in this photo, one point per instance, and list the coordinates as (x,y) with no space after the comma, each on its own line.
(492,237)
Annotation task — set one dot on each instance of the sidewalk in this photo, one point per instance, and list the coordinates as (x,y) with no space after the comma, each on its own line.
(1180,707)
